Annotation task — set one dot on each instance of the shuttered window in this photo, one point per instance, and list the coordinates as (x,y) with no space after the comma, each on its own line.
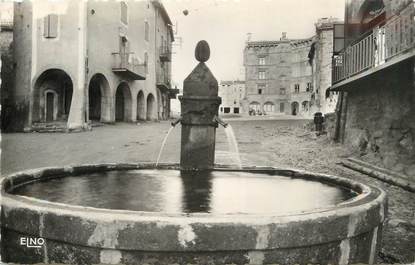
(50,26)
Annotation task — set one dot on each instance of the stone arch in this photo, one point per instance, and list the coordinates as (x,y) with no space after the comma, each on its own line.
(151,107)
(295,108)
(123,102)
(305,105)
(254,105)
(58,84)
(99,98)
(141,106)
(269,107)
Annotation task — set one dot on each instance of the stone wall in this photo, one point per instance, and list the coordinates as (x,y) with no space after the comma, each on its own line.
(6,52)
(379,121)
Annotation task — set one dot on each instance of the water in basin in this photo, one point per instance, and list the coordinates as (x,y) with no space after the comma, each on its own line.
(172,191)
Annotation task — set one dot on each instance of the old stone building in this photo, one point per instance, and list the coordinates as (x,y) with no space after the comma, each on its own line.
(77,61)
(232,93)
(278,76)
(375,75)
(321,54)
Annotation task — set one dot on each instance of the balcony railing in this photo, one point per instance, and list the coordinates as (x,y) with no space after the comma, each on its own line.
(163,81)
(394,38)
(128,64)
(165,54)
(6,25)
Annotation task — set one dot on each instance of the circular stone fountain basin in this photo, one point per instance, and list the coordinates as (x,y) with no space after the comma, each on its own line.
(135,214)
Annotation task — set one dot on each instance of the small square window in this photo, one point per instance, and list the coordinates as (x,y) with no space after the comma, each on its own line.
(261,60)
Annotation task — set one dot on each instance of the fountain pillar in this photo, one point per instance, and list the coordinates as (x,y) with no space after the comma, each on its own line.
(199,108)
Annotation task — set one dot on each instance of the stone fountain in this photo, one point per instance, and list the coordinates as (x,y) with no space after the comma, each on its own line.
(196,212)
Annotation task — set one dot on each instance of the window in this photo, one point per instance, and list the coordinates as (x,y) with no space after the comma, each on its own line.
(146,31)
(221,109)
(227,110)
(236,110)
(269,107)
(261,75)
(124,12)
(260,88)
(282,91)
(297,88)
(309,87)
(282,107)
(261,60)
(50,26)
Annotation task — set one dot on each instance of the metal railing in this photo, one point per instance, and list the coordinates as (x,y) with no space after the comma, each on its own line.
(165,53)
(128,61)
(163,78)
(6,24)
(383,43)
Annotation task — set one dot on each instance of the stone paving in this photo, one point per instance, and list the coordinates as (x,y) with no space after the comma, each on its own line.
(280,143)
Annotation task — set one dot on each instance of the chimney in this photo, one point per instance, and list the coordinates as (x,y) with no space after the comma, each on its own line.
(284,36)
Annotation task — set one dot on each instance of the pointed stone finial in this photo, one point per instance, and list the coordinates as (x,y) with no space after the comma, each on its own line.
(202,51)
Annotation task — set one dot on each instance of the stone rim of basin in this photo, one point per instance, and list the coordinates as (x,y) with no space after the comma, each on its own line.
(187,232)
(33,175)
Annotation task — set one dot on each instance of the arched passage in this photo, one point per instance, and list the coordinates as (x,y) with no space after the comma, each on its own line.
(123,103)
(151,107)
(269,107)
(305,106)
(52,96)
(99,98)
(255,106)
(294,108)
(141,104)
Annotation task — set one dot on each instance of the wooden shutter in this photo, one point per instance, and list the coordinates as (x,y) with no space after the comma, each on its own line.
(50,26)
(53,26)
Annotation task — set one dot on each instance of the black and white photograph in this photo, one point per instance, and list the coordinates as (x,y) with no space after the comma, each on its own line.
(207,132)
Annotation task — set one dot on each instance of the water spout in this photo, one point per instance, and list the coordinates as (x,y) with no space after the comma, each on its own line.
(220,121)
(233,145)
(164,142)
(175,122)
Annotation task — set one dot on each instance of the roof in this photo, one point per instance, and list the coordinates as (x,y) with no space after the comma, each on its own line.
(232,82)
(292,42)
(158,4)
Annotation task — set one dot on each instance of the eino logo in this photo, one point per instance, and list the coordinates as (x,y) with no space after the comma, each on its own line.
(32,242)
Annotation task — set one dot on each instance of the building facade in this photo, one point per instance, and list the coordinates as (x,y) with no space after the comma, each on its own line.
(77,61)
(375,75)
(232,94)
(278,76)
(323,99)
